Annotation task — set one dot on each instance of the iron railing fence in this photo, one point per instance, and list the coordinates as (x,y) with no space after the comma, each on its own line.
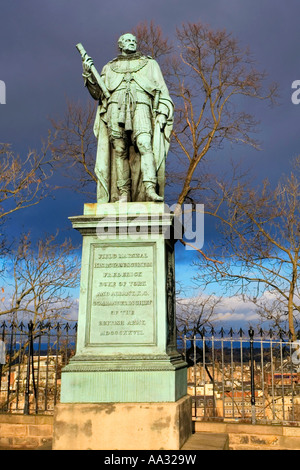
(243,376)
(31,359)
(232,376)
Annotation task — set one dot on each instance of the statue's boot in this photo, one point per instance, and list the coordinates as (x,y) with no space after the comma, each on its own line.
(151,193)
(149,176)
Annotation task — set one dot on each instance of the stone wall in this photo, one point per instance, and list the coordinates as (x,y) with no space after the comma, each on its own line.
(255,437)
(25,432)
(32,432)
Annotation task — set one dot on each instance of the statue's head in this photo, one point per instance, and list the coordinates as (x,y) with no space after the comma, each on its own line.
(127,43)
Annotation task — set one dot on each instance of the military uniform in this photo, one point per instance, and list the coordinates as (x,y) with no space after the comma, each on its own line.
(136,86)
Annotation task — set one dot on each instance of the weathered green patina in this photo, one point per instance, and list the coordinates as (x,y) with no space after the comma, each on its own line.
(126,342)
(133,124)
(126,345)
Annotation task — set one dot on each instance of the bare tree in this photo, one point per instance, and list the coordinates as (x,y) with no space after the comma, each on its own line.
(42,275)
(74,149)
(152,41)
(192,314)
(258,241)
(208,77)
(24,181)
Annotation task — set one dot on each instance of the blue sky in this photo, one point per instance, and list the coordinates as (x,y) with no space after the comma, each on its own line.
(41,68)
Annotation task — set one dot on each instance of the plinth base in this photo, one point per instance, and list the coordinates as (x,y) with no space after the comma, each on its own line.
(122,426)
(133,380)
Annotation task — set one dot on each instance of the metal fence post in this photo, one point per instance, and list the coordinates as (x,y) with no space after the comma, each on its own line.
(4,359)
(253,413)
(27,389)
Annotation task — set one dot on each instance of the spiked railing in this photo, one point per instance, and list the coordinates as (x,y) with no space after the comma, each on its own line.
(31,359)
(251,376)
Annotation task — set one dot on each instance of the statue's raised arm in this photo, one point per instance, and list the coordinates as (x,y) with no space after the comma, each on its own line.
(91,69)
(133,125)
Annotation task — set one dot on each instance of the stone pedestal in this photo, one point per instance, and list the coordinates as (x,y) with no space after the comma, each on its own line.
(122,426)
(126,359)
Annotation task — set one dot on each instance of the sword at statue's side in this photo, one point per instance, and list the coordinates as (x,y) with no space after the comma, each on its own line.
(99,80)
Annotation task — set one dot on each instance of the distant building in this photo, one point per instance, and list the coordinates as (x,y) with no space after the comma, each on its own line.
(282,378)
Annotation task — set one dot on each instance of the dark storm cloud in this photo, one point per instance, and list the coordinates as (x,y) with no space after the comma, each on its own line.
(41,67)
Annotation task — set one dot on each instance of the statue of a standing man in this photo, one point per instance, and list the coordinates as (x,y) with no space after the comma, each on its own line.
(133,125)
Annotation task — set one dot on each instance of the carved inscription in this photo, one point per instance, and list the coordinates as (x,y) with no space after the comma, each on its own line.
(122,302)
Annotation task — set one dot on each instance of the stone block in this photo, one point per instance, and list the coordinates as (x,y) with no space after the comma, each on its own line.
(258,429)
(266,440)
(13,430)
(292,431)
(239,439)
(119,426)
(289,443)
(201,426)
(40,430)
(6,442)
(26,442)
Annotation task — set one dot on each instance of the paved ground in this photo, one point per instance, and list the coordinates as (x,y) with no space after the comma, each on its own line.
(207,441)
(198,441)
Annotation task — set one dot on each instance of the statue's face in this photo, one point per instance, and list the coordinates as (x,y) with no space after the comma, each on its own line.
(128,43)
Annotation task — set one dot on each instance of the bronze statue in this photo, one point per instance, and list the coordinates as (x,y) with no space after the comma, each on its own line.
(133,124)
